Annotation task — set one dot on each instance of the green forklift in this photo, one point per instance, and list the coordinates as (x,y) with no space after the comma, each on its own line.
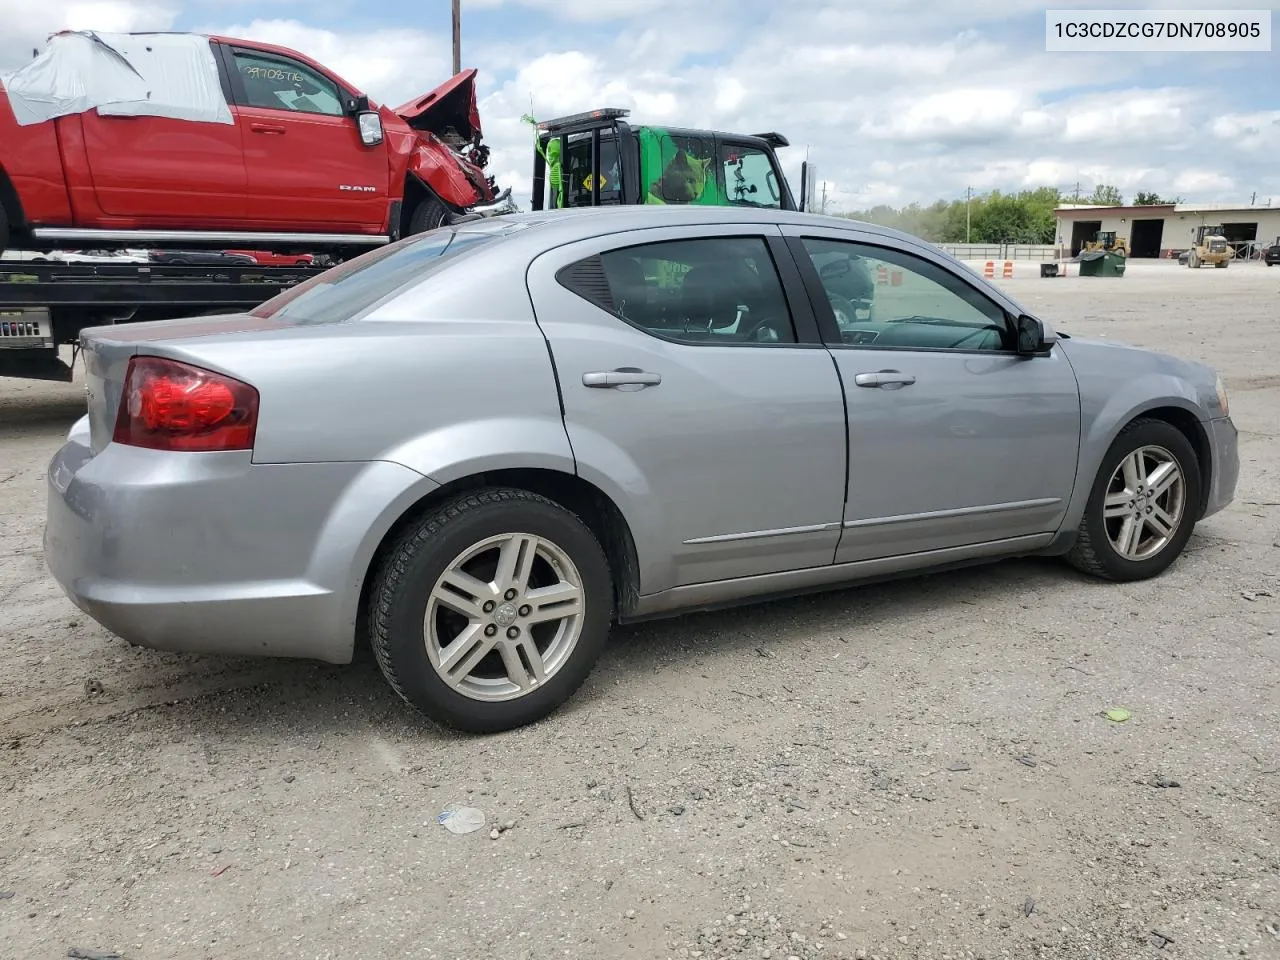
(597,158)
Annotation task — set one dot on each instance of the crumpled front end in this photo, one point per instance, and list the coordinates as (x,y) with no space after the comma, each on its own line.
(450,156)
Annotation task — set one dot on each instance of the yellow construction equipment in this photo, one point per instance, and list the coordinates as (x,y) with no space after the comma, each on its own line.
(1106,240)
(1210,247)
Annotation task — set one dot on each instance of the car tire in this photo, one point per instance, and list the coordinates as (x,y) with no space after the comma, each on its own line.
(429,214)
(415,623)
(4,229)
(1101,548)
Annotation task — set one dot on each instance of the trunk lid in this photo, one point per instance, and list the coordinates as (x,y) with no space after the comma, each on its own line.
(449,111)
(107,351)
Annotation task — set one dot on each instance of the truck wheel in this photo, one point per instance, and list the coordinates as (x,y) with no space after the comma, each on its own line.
(428,215)
(490,611)
(4,229)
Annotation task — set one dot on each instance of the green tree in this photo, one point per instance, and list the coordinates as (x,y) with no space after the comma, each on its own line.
(1024,217)
(1105,193)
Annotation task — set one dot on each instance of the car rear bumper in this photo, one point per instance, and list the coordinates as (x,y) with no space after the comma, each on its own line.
(211,553)
(1223,444)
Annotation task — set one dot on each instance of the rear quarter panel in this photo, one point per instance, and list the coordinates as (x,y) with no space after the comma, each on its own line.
(450,378)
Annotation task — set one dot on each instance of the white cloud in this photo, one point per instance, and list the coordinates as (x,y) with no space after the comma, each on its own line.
(28,23)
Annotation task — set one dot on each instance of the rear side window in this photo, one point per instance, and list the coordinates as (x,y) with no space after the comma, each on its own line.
(355,287)
(723,290)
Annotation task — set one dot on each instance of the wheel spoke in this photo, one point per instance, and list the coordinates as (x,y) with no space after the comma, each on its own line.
(554,602)
(1161,523)
(1117,505)
(1130,533)
(523,663)
(461,656)
(464,593)
(1133,473)
(1162,479)
(515,563)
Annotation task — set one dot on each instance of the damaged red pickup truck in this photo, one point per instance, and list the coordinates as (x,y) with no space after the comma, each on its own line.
(186,140)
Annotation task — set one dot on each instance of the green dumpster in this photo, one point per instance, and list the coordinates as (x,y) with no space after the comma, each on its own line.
(1101,263)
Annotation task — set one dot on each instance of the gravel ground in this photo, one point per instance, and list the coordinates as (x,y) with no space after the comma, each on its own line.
(913,770)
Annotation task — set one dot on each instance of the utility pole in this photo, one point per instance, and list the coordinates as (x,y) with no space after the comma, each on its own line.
(1254,198)
(824,197)
(457,37)
(1077,191)
(968,195)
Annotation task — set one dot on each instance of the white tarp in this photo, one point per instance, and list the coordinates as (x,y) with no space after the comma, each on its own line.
(132,75)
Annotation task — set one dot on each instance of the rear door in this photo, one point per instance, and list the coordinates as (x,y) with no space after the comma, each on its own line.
(305,165)
(180,173)
(696,393)
(954,439)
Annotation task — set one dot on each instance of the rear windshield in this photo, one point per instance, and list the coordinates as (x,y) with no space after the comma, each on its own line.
(354,287)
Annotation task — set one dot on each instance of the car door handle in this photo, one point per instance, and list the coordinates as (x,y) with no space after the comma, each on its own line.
(265,128)
(622,377)
(884,378)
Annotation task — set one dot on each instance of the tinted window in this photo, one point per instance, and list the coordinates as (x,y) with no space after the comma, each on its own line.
(283,84)
(749,178)
(723,290)
(351,288)
(886,298)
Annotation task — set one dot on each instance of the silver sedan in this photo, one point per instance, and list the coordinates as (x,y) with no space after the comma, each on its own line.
(479,447)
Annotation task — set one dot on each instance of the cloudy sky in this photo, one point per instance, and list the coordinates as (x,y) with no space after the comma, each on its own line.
(894,100)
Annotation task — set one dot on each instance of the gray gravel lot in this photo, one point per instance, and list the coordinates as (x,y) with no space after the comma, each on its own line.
(914,770)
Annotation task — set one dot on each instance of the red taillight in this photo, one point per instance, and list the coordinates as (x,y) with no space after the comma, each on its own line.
(169,405)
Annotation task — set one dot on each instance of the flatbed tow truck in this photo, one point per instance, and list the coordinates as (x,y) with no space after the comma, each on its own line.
(44,305)
(596,158)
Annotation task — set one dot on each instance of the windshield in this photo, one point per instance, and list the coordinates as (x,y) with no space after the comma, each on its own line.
(355,287)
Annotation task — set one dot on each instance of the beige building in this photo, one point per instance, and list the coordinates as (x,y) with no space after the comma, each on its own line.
(1165,230)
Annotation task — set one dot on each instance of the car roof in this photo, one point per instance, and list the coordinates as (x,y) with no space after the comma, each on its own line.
(579,223)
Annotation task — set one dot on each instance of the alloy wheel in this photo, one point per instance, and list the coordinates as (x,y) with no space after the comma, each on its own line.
(1144,503)
(504,617)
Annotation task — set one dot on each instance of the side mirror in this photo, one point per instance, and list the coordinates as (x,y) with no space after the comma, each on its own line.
(370,128)
(357,104)
(1030,337)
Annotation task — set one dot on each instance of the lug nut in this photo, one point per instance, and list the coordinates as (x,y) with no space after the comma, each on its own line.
(513,632)
(510,595)
(526,610)
(490,630)
(488,607)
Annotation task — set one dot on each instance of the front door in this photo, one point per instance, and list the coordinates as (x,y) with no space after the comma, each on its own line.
(697,395)
(306,167)
(954,439)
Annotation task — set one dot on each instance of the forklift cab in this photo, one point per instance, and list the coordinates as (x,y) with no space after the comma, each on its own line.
(598,158)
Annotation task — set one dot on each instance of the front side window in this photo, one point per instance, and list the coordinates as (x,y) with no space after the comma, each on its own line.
(883,297)
(749,177)
(278,83)
(706,291)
